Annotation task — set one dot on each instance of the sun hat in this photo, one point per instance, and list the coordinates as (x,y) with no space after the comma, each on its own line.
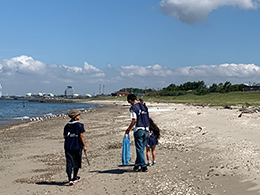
(73,113)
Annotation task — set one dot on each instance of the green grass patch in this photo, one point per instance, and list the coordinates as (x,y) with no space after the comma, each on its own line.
(215,99)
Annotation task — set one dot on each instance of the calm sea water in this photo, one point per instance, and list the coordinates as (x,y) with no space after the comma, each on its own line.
(15,111)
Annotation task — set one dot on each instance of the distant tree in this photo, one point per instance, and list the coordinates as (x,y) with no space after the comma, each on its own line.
(220,88)
(213,88)
(226,86)
(237,87)
(198,88)
(137,90)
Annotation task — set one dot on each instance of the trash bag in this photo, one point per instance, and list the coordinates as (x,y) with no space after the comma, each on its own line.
(126,153)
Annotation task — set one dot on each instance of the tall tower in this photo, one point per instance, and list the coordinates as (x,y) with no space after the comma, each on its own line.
(69,92)
(0,90)
(99,91)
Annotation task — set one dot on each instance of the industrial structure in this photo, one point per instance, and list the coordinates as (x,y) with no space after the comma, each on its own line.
(0,90)
(69,92)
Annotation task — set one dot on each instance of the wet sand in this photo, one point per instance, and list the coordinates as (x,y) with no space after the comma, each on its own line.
(203,150)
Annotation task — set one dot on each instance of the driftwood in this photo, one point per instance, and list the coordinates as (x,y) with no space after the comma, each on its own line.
(248,110)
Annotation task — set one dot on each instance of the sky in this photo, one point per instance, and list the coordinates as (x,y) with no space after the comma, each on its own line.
(47,45)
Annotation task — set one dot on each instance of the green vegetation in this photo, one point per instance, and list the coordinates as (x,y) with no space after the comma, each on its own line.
(137,90)
(214,99)
(196,93)
(197,88)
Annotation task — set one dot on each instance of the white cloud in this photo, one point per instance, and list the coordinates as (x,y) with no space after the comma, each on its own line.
(72,69)
(23,64)
(192,11)
(109,66)
(23,74)
(154,70)
(223,70)
(93,71)
(234,73)
(158,76)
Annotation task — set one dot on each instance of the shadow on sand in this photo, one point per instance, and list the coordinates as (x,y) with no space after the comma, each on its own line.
(115,171)
(52,183)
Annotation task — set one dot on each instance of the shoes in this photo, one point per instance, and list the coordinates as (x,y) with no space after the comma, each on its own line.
(74,180)
(144,169)
(154,162)
(149,164)
(77,179)
(136,168)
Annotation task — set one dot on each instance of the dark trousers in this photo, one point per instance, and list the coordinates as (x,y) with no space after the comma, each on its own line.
(73,161)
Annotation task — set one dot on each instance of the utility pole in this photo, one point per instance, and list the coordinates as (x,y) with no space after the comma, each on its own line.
(0,90)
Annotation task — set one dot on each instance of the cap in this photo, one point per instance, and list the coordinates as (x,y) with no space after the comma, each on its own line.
(73,113)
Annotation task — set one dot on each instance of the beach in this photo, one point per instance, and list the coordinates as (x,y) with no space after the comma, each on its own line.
(202,150)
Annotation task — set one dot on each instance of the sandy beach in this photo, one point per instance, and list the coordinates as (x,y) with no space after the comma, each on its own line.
(202,150)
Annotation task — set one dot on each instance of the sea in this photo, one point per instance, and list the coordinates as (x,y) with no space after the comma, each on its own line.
(17,111)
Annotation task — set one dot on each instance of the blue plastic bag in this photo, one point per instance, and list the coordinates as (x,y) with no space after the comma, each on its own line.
(126,153)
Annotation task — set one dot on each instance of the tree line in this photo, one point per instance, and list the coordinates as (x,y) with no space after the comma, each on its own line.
(197,88)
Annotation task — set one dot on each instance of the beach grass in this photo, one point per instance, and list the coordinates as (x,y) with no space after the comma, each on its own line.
(215,99)
(251,98)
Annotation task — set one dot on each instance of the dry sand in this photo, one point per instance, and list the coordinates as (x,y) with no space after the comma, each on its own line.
(203,150)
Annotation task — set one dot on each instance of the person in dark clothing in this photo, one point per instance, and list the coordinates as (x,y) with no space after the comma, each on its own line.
(140,123)
(73,145)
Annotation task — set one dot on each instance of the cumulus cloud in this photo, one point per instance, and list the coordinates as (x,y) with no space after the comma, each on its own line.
(158,76)
(23,65)
(192,11)
(93,71)
(109,66)
(23,74)
(223,70)
(154,70)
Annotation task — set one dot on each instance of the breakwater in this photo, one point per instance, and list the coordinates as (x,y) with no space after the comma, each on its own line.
(51,100)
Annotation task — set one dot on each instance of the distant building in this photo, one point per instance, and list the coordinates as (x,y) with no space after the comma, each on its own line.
(122,93)
(88,95)
(251,88)
(69,92)
(0,90)
(50,95)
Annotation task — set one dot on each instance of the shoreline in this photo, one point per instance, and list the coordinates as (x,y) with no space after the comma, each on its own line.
(5,123)
(203,150)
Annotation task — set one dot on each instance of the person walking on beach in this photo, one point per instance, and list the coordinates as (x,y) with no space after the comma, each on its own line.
(153,137)
(140,123)
(73,145)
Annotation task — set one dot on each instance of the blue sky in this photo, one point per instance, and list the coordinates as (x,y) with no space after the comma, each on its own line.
(148,43)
